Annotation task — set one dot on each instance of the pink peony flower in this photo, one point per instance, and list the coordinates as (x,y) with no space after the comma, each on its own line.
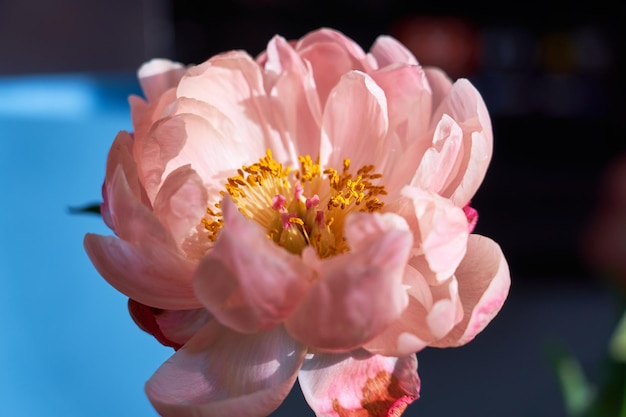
(304,214)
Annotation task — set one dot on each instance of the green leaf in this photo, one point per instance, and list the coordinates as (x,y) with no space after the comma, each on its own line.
(617,345)
(93,208)
(576,391)
(611,397)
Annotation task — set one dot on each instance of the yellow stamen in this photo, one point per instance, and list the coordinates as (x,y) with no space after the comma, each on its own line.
(313,202)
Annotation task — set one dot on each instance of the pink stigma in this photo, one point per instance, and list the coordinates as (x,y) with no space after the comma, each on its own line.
(284,218)
(278,202)
(298,192)
(312,202)
(319,217)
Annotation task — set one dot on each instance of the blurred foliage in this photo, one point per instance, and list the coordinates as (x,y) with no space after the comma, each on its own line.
(607,396)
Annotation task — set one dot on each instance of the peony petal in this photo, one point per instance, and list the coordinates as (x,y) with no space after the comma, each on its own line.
(474,172)
(181,202)
(247,281)
(484,283)
(356,294)
(388,51)
(233,82)
(158,79)
(331,55)
(222,373)
(447,310)
(133,221)
(359,384)
(171,328)
(440,85)
(325,36)
(360,136)
(120,156)
(409,100)
(440,231)
(466,106)
(180,326)
(144,317)
(328,35)
(148,273)
(432,312)
(409,333)
(158,75)
(144,115)
(295,105)
(409,134)
(198,134)
(437,165)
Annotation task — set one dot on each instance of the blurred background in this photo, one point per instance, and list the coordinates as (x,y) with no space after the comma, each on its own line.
(552,78)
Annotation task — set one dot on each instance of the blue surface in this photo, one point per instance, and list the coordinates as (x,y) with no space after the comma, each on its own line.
(67,344)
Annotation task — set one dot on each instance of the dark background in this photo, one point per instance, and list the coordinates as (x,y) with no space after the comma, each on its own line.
(551,75)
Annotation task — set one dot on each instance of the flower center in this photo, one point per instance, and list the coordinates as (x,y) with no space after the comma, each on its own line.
(301,207)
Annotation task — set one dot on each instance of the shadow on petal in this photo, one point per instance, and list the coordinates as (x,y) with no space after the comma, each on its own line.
(223,373)
(484,283)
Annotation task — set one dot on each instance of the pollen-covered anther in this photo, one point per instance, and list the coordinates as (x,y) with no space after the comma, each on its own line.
(303,207)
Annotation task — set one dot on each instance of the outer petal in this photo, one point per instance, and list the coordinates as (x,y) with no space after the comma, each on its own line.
(144,115)
(357,294)
(327,35)
(440,84)
(331,55)
(360,136)
(465,105)
(172,328)
(247,281)
(145,263)
(447,309)
(475,170)
(432,312)
(387,51)
(158,75)
(133,221)
(409,333)
(181,202)
(484,283)
(149,273)
(158,78)
(121,157)
(221,373)
(180,326)
(440,230)
(359,384)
